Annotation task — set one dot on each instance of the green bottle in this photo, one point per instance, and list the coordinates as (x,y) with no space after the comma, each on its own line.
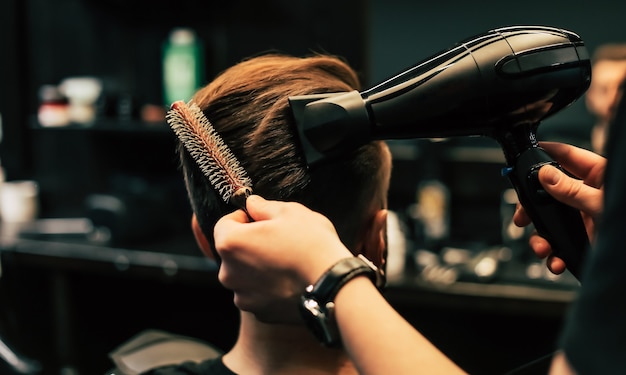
(182,65)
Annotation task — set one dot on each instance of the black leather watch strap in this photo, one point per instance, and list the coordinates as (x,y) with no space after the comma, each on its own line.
(328,285)
(317,305)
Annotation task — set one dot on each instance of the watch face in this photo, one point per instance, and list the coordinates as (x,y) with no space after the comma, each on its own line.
(312,307)
(317,306)
(320,321)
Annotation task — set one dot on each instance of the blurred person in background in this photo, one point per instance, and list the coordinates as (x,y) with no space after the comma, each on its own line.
(607,75)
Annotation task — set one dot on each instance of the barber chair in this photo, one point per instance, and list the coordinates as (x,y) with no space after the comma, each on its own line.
(154,348)
(12,363)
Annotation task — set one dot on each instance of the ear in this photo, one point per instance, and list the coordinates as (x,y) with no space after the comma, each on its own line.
(375,242)
(201,240)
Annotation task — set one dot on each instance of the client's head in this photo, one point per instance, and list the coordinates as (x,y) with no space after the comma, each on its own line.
(248,106)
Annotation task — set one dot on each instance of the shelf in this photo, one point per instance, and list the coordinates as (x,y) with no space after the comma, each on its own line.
(108,125)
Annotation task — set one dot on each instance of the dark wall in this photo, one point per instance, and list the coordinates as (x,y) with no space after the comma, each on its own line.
(13,153)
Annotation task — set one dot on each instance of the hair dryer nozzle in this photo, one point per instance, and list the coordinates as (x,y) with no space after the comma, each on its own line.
(339,114)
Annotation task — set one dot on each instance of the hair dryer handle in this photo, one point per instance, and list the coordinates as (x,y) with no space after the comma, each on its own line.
(561,225)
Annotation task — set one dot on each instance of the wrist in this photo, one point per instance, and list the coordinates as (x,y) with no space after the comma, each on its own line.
(317,303)
(315,268)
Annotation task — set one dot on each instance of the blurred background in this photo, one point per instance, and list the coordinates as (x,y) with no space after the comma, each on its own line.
(94,219)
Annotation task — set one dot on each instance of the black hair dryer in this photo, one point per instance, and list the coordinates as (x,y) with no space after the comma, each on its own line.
(500,84)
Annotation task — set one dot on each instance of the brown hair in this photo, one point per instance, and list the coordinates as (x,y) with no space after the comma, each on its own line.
(248,106)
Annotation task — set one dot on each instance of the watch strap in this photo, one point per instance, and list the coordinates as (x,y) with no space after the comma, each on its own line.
(329,284)
(317,305)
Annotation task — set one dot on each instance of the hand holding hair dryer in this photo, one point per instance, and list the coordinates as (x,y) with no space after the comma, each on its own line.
(500,84)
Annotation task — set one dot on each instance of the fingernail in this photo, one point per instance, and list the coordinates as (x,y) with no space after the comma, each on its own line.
(552,175)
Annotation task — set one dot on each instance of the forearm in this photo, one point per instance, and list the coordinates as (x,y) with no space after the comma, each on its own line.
(372,331)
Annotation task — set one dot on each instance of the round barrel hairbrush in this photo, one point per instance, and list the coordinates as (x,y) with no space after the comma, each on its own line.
(207,148)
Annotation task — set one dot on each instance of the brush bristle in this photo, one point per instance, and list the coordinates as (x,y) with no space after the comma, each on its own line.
(207,148)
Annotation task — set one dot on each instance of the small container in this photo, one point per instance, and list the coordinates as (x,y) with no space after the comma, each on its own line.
(183,57)
(53,107)
(19,201)
(82,93)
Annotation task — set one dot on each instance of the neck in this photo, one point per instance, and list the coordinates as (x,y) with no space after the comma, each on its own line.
(263,348)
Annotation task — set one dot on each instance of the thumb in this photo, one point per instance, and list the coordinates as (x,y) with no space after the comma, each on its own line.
(261,209)
(570,191)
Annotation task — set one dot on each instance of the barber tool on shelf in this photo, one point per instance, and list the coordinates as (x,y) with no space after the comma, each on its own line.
(500,84)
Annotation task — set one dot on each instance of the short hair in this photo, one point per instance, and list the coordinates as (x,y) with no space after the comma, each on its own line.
(248,106)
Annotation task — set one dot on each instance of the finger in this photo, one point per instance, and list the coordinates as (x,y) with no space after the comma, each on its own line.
(542,249)
(556,265)
(261,209)
(520,217)
(540,246)
(227,228)
(231,221)
(571,191)
(237,216)
(582,163)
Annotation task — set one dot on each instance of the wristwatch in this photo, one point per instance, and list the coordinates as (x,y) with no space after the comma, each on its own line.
(317,303)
